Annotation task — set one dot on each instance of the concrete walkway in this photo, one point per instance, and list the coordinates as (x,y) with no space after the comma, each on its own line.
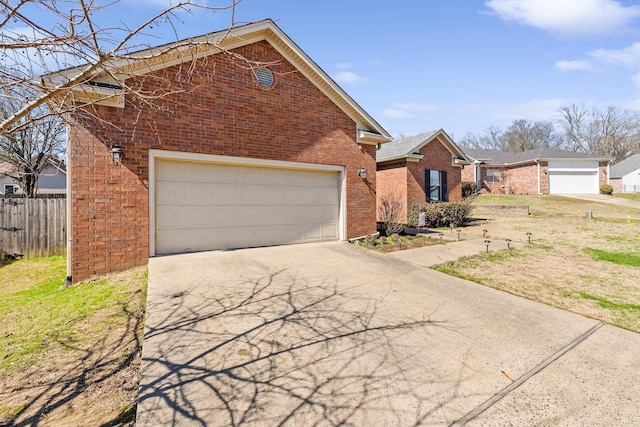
(452,250)
(333,334)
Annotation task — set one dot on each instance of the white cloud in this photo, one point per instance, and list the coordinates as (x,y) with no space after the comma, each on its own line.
(348,77)
(569,17)
(581,65)
(409,111)
(627,57)
(344,65)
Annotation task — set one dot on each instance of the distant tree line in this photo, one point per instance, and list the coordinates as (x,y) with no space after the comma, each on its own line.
(612,132)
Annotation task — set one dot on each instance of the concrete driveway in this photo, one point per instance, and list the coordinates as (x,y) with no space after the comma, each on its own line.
(602,198)
(333,334)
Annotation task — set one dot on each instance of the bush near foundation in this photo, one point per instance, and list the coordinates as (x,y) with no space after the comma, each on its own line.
(606,189)
(446,214)
(469,189)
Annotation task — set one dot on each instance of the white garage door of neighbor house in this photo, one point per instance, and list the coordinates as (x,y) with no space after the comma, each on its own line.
(205,206)
(573,182)
(573,177)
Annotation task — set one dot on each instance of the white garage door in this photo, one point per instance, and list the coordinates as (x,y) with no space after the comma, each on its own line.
(204,206)
(573,177)
(573,182)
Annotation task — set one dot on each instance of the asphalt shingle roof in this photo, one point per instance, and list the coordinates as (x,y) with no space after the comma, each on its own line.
(405,146)
(626,166)
(499,157)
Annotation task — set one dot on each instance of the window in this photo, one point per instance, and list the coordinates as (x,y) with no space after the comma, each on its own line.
(10,189)
(435,185)
(493,175)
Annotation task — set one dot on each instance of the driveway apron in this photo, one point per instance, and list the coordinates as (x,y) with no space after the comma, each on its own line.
(333,334)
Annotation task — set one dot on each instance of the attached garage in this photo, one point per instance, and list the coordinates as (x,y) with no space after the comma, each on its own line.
(216,202)
(227,157)
(573,177)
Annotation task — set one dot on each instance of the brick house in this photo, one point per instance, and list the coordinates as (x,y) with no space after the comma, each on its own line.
(538,171)
(419,169)
(234,154)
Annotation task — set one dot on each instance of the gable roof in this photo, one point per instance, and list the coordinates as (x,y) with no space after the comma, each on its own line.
(104,90)
(7,168)
(626,166)
(505,158)
(410,147)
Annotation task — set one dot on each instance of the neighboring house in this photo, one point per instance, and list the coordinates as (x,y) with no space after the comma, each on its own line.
(52,179)
(238,157)
(419,169)
(538,171)
(625,176)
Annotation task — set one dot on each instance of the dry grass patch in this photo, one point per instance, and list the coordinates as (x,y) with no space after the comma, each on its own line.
(583,265)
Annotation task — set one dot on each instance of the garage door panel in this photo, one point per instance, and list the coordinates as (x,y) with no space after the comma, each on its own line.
(573,182)
(167,171)
(204,206)
(330,231)
(171,191)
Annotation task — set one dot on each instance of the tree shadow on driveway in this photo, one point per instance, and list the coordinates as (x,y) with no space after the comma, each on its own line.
(283,349)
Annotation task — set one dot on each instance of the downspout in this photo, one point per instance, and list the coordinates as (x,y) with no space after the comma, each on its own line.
(608,173)
(538,163)
(68,281)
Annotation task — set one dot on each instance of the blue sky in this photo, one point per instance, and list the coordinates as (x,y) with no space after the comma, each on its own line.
(460,65)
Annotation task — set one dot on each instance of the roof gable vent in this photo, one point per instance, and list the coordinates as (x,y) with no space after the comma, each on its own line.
(265,77)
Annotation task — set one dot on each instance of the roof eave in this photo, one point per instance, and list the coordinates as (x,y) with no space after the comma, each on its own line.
(372,138)
(406,157)
(156,58)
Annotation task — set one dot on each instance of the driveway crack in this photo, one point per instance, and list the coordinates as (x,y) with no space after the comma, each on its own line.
(517,383)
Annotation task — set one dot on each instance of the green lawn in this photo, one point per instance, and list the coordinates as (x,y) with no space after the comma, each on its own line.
(629,196)
(71,354)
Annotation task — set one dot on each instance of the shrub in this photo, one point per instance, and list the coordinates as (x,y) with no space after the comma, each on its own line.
(468,189)
(390,212)
(606,189)
(448,214)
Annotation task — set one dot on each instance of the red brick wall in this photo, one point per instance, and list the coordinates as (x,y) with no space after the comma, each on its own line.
(517,179)
(468,174)
(222,111)
(521,179)
(616,183)
(544,177)
(436,157)
(391,181)
(602,174)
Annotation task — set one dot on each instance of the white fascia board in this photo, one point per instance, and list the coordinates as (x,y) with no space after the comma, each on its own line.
(371,138)
(579,159)
(409,158)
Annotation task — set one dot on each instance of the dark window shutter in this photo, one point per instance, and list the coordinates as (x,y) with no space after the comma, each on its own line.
(443,187)
(427,184)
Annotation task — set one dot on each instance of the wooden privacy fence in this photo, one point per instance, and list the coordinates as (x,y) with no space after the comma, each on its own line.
(32,227)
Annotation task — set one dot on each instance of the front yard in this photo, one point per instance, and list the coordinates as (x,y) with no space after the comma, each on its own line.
(588,266)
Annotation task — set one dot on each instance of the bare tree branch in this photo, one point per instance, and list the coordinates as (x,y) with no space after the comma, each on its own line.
(84,51)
